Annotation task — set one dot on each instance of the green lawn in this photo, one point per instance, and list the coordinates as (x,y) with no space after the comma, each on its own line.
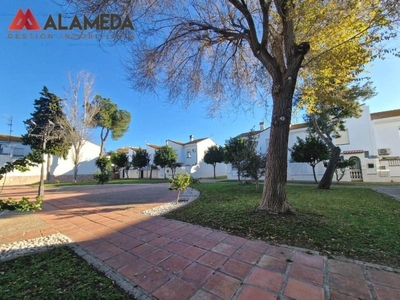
(352,222)
(55,274)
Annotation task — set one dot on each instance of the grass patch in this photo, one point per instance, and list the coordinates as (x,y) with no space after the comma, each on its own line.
(356,223)
(112,181)
(55,274)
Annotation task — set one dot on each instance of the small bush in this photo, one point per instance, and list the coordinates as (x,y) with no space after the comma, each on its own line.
(102,178)
(179,183)
(21,205)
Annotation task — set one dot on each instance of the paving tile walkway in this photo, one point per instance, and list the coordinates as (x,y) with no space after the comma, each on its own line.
(168,259)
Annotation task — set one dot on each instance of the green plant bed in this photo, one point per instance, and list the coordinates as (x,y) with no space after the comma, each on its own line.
(356,223)
(55,274)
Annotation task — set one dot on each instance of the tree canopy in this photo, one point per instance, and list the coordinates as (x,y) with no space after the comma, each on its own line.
(141,158)
(47,108)
(214,155)
(110,119)
(165,157)
(312,151)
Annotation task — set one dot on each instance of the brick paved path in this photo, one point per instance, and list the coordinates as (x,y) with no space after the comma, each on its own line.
(174,260)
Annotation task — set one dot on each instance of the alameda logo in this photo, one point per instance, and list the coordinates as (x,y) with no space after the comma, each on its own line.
(100,22)
(26,20)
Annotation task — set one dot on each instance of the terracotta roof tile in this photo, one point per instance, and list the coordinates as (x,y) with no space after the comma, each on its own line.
(13,138)
(385,114)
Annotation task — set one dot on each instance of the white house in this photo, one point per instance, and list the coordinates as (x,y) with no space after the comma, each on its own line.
(11,148)
(190,157)
(373,140)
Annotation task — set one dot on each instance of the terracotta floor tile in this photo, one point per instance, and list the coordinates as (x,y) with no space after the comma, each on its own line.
(196,274)
(236,269)
(384,278)
(349,286)
(345,268)
(202,232)
(143,249)
(273,264)
(222,285)
(159,242)
(213,260)
(247,256)
(217,235)
(279,252)
(120,260)
(153,279)
(175,289)
(134,269)
(192,252)
(387,293)
(203,295)
(176,225)
(256,246)
(306,273)
(249,292)
(335,295)
(148,237)
(127,243)
(265,279)
(190,238)
(137,232)
(175,264)
(164,230)
(301,291)
(224,249)
(157,256)
(206,243)
(175,247)
(311,260)
(234,241)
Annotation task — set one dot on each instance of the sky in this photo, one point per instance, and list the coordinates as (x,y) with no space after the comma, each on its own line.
(28,64)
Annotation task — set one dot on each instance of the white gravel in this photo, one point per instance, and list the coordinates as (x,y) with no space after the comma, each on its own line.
(187,197)
(13,250)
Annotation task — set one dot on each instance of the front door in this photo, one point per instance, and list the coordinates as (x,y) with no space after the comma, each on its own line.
(355,170)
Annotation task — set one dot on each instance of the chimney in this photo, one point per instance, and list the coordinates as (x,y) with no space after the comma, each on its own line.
(262,126)
(191,137)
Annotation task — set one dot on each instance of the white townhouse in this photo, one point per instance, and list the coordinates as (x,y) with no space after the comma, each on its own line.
(190,158)
(11,148)
(372,140)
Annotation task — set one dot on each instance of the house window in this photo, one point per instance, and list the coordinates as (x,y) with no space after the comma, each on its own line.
(188,154)
(371,166)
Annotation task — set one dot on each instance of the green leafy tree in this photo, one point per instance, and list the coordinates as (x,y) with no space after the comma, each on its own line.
(214,155)
(141,158)
(235,154)
(120,160)
(180,183)
(47,108)
(328,120)
(165,157)
(110,119)
(255,162)
(311,151)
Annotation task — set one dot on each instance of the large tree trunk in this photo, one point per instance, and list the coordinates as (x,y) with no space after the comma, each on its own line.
(75,172)
(274,193)
(326,181)
(215,177)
